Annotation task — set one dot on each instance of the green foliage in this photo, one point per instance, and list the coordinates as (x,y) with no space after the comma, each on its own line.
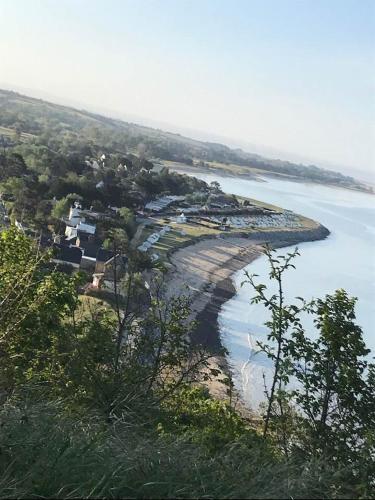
(207,421)
(105,401)
(282,318)
(50,455)
(33,305)
(328,410)
(197,197)
(61,208)
(117,240)
(62,137)
(335,392)
(128,218)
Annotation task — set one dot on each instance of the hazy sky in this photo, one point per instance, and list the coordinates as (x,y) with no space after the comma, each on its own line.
(294,75)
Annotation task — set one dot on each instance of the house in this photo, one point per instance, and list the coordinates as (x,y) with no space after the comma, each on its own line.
(75,214)
(70,232)
(74,218)
(108,266)
(89,253)
(121,167)
(82,231)
(68,255)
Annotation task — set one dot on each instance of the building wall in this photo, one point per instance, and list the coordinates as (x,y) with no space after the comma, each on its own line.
(64,263)
(87,264)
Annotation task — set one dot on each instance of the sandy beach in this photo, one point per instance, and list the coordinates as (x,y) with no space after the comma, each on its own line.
(203,271)
(199,268)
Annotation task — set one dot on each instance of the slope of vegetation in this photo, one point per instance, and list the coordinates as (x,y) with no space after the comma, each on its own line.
(108,402)
(67,130)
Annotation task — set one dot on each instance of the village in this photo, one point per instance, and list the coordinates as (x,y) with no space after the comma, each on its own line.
(162,225)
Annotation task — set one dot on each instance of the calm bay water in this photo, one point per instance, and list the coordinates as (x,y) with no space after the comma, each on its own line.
(346,259)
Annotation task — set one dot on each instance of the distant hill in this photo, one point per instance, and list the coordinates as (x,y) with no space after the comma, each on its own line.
(64,128)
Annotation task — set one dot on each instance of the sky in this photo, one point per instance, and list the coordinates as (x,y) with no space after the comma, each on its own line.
(293,76)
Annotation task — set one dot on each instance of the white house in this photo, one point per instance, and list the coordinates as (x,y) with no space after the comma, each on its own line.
(70,232)
(181,218)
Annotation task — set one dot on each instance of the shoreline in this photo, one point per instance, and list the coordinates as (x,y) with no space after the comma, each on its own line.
(257,176)
(206,268)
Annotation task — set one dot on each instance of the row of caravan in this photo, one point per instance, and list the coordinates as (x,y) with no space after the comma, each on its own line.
(153,238)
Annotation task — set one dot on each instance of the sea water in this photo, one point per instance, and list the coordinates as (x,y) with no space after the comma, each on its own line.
(346,259)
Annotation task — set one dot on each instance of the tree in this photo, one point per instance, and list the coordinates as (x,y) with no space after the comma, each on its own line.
(282,317)
(32,306)
(12,165)
(61,208)
(334,383)
(215,187)
(328,409)
(117,241)
(128,218)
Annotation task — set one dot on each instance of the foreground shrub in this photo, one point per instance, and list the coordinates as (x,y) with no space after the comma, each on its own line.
(45,454)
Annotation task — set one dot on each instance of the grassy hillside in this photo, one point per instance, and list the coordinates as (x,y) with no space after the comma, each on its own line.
(64,129)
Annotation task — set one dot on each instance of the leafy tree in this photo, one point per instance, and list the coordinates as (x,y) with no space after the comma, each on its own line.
(282,318)
(61,208)
(128,218)
(12,165)
(335,392)
(33,305)
(322,394)
(117,241)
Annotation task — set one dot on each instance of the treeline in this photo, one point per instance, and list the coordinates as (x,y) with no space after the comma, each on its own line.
(33,178)
(69,131)
(106,400)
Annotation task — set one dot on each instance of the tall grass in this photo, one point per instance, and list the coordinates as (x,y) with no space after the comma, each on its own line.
(44,453)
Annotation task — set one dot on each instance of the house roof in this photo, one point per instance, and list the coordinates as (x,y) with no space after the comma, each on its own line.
(89,249)
(104,255)
(86,228)
(72,255)
(68,241)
